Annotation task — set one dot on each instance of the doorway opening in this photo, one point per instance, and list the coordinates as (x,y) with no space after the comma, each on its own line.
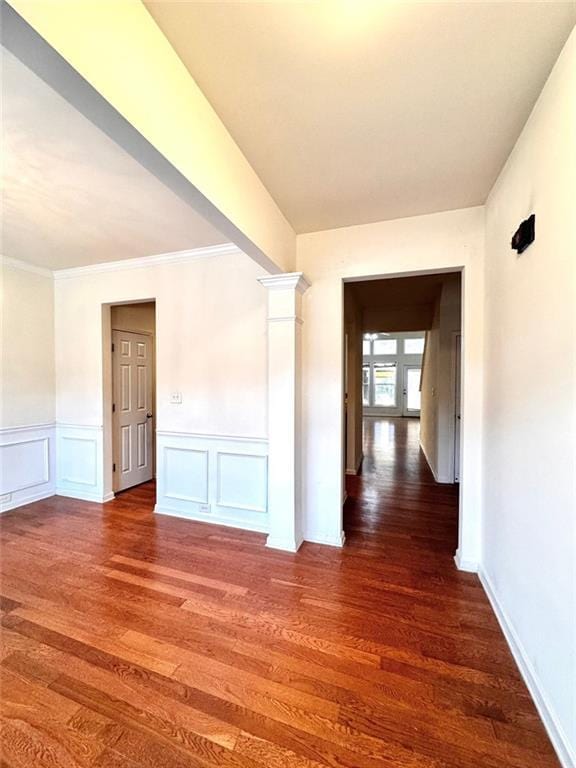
(131,386)
(402,408)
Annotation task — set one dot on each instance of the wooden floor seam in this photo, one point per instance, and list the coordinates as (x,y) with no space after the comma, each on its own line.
(134,640)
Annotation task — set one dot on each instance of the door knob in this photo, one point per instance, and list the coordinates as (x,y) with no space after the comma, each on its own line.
(148,415)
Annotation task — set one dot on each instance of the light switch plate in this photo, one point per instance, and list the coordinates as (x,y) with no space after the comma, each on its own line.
(176,398)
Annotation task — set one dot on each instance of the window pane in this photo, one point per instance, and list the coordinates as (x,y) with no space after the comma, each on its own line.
(365,385)
(385,384)
(413,389)
(413,346)
(365,347)
(385,347)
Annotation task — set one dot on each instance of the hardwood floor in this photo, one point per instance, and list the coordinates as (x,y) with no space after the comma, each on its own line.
(140,641)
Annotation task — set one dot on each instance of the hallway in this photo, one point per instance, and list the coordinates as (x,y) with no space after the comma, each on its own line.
(394,504)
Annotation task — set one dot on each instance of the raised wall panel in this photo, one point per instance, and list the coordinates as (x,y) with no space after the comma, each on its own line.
(78,457)
(79,462)
(228,485)
(27,466)
(185,474)
(242,481)
(24,464)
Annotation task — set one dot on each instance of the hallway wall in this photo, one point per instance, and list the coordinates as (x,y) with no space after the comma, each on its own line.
(438,383)
(529,525)
(27,434)
(210,348)
(449,241)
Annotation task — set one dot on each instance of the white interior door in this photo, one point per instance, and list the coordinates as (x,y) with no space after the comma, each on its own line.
(411,392)
(132,417)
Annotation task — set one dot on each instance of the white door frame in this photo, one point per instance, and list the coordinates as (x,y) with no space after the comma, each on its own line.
(465,514)
(107,392)
(414,413)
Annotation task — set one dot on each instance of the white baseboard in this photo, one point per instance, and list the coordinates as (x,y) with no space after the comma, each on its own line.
(198,517)
(23,500)
(470,566)
(316,537)
(358,465)
(97,498)
(287,545)
(565,752)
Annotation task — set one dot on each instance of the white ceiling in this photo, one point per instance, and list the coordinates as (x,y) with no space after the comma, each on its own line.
(354,111)
(71,196)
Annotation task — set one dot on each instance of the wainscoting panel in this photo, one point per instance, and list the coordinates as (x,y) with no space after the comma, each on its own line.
(27,465)
(79,454)
(213,478)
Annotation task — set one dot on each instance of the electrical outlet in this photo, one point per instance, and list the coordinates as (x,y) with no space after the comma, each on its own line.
(5,498)
(204,509)
(176,398)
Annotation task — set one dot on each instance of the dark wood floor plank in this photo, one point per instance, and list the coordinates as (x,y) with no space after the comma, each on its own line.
(130,641)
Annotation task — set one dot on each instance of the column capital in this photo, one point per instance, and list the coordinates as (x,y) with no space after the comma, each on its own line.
(285,281)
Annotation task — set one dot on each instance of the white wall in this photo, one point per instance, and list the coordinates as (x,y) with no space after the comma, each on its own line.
(448,241)
(27,336)
(353,329)
(210,347)
(27,381)
(530,403)
(439,383)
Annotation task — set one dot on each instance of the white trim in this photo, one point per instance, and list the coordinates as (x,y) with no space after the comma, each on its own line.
(285,280)
(64,425)
(350,471)
(291,318)
(28,427)
(22,501)
(201,436)
(24,266)
(470,566)
(317,537)
(555,731)
(286,545)
(176,257)
(97,498)
(188,514)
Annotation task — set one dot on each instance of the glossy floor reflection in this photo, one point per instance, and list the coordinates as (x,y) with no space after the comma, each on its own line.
(395,500)
(135,640)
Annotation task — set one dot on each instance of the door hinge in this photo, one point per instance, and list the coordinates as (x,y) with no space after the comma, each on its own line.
(113,407)
(112,346)
(113,467)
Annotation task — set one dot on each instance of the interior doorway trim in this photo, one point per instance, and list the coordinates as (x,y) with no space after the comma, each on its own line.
(107,449)
(466,555)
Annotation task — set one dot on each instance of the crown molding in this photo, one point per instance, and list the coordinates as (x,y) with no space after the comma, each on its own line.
(294,280)
(24,266)
(177,257)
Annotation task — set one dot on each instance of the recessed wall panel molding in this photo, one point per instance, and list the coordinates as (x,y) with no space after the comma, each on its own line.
(213,478)
(79,462)
(27,464)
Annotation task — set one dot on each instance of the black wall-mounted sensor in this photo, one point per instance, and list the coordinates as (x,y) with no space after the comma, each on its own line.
(524,235)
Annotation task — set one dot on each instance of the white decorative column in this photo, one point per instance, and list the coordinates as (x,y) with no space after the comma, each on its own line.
(284,438)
